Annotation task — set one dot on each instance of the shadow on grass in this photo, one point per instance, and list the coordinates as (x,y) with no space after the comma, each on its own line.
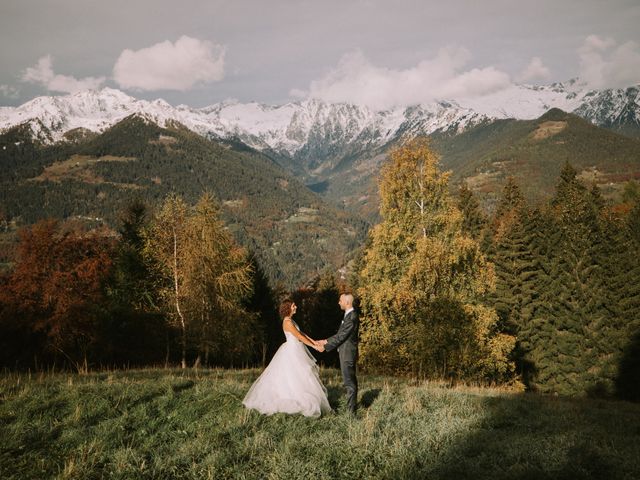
(335,395)
(369,397)
(145,399)
(530,436)
(180,387)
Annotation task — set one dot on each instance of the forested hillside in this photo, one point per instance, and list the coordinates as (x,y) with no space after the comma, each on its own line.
(292,232)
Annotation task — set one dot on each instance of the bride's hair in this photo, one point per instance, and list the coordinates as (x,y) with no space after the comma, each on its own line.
(285,308)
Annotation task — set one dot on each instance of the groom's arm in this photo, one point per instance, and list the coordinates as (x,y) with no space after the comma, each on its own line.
(342,334)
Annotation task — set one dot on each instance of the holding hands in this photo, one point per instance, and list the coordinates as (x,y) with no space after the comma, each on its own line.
(319,345)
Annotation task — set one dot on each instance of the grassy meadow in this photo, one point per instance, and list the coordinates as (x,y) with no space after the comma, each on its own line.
(172,424)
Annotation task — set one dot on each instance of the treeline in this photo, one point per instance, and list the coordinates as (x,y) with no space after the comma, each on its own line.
(170,287)
(546,295)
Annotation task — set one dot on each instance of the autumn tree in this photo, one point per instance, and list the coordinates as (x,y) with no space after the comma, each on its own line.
(166,246)
(204,275)
(55,294)
(218,280)
(422,279)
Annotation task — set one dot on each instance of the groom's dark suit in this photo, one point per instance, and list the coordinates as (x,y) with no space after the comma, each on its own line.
(346,341)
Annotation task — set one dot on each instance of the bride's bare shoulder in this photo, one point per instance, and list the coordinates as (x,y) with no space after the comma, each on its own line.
(287,322)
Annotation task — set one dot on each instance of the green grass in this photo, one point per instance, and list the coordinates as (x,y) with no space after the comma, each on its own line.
(172,424)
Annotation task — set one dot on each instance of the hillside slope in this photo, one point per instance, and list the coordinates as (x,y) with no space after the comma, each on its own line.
(532,151)
(291,230)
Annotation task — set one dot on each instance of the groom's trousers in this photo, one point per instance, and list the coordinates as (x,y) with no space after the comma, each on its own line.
(348,367)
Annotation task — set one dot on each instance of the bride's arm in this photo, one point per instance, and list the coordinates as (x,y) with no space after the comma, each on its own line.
(289,327)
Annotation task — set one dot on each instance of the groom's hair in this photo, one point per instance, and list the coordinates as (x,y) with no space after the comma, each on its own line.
(285,308)
(348,297)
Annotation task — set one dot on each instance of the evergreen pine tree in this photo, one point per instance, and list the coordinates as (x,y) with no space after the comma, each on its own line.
(474,221)
(571,332)
(628,268)
(511,254)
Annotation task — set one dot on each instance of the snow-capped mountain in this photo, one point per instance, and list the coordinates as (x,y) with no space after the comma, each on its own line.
(94,110)
(313,131)
(526,102)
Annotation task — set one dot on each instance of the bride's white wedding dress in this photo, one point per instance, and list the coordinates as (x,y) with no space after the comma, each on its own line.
(290,383)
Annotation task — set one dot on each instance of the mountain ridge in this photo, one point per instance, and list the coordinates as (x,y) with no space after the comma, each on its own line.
(289,128)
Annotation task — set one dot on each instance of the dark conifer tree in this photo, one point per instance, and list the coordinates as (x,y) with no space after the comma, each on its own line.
(570,334)
(510,251)
(628,289)
(264,304)
(134,331)
(474,221)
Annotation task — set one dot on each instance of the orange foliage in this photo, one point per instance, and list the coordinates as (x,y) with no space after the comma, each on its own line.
(57,283)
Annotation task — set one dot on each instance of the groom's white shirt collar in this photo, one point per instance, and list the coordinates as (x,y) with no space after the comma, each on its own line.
(347,312)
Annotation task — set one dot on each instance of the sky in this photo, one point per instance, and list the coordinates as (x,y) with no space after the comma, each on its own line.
(380,53)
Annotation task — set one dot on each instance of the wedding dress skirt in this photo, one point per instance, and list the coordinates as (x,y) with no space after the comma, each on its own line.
(290,383)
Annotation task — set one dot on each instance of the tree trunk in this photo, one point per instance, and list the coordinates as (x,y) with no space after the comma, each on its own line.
(177,291)
(264,354)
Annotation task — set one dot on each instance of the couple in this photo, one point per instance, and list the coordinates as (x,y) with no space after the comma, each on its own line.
(291,383)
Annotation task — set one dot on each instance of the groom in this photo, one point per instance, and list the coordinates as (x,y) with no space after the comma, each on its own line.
(346,341)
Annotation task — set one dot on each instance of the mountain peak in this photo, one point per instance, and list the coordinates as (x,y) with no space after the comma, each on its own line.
(555,114)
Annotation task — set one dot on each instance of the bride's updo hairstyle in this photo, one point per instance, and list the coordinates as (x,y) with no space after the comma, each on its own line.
(285,308)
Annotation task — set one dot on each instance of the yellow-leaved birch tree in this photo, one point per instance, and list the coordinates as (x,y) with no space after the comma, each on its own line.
(423,280)
(204,275)
(220,279)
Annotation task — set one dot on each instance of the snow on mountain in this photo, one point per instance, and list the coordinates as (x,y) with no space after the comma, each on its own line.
(526,102)
(59,114)
(612,107)
(312,129)
(95,110)
(257,125)
(441,116)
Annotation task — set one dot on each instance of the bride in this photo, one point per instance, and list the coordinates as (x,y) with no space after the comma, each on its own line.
(290,383)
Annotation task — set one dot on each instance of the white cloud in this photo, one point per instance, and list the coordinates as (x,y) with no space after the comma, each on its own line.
(170,66)
(9,91)
(356,80)
(605,64)
(536,70)
(42,73)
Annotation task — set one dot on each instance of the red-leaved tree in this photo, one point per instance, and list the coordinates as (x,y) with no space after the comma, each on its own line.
(55,292)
